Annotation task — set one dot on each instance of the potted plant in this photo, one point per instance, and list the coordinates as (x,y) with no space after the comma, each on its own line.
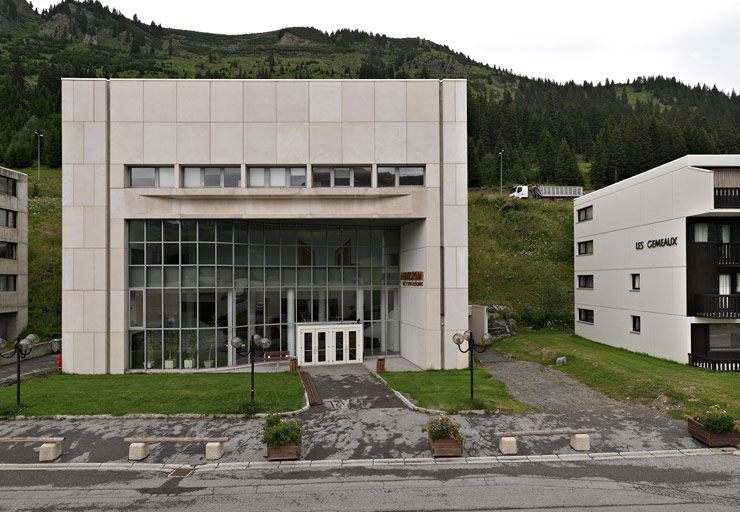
(172,343)
(715,428)
(283,438)
(444,436)
(208,363)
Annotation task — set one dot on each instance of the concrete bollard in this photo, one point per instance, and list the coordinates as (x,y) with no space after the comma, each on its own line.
(214,451)
(580,442)
(138,451)
(50,452)
(507,445)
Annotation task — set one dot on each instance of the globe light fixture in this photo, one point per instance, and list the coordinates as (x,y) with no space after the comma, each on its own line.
(21,349)
(248,350)
(479,345)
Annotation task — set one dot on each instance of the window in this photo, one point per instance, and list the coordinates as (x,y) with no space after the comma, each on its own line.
(8,186)
(7,250)
(211,177)
(635,280)
(701,232)
(586,247)
(635,323)
(7,283)
(7,218)
(400,176)
(341,176)
(586,315)
(277,177)
(150,177)
(586,281)
(586,213)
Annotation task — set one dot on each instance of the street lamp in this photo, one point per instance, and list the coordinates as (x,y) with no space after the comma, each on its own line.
(501,185)
(473,346)
(257,342)
(39,136)
(21,349)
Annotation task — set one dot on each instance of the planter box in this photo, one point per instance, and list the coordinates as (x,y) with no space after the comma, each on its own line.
(188,363)
(712,439)
(169,364)
(289,451)
(446,447)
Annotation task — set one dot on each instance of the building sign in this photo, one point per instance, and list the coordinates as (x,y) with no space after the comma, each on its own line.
(415,278)
(658,242)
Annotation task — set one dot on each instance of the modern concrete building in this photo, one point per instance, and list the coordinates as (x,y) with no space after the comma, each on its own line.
(13,253)
(329,216)
(657,262)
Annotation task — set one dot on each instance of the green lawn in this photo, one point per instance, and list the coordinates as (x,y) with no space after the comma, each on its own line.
(223,393)
(449,390)
(679,389)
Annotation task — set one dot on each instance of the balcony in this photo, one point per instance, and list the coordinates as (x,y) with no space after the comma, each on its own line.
(717,306)
(716,364)
(718,253)
(727,197)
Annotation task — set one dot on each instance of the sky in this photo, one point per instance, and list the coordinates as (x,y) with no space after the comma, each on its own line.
(697,42)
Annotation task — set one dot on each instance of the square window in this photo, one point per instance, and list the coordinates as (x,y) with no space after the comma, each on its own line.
(411,176)
(257,177)
(341,177)
(362,176)
(212,177)
(166,176)
(277,177)
(586,247)
(321,177)
(386,176)
(191,177)
(142,177)
(232,177)
(586,281)
(297,177)
(586,315)
(586,213)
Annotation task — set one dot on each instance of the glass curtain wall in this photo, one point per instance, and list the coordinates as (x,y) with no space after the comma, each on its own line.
(194,284)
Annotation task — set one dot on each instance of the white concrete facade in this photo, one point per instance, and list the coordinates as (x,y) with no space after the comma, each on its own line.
(110,125)
(627,218)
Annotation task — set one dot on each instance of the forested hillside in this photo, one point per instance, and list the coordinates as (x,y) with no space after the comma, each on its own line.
(549,132)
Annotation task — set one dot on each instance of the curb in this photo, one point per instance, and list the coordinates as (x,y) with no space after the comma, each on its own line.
(154,416)
(347,463)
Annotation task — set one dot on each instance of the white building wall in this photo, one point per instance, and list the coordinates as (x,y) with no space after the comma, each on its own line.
(252,123)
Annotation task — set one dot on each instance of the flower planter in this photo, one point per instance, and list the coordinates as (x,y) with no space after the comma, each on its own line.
(188,363)
(712,439)
(169,364)
(290,451)
(208,363)
(446,447)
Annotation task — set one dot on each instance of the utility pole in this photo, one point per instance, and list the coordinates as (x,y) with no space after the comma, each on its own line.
(501,184)
(38,155)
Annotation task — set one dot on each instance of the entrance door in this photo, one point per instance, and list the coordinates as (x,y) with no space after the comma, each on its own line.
(319,344)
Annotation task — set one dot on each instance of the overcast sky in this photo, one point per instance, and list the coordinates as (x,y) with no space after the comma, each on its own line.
(697,42)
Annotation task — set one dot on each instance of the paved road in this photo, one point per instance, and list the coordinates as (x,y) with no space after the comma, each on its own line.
(30,365)
(667,484)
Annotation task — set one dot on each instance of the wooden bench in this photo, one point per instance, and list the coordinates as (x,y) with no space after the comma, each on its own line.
(579,438)
(138,448)
(277,356)
(51,447)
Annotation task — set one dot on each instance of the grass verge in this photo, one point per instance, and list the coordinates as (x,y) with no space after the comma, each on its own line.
(224,393)
(679,389)
(449,390)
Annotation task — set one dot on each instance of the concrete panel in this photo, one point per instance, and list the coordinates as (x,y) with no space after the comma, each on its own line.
(227,102)
(84,185)
(68,100)
(325,101)
(455,216)
(193,101)
(100,91)
(160,101)
(94,145)
(292,102)
(84,101)
(390,143)
(292,143)
(72,233)
(422,142)
(94,226)
(193,143)
(83,269)
(101,190)
(358,101)
(326,143)
(259,102)
(390,101)
(455,142)
(126,100)
(422,101)
(160,143)
(72,308)
(127,143)
(226,143)
(358,143)
(260,143)
(72,143)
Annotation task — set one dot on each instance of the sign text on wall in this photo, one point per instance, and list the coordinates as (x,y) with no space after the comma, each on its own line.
(415,278)
(657,242)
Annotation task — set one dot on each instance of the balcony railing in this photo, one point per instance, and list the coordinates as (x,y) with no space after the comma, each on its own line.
(727,197)
(718,365)
(718,306)
(721,254)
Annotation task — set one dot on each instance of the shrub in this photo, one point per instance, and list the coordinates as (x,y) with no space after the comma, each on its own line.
(717,420)
(280,432)
(443,427)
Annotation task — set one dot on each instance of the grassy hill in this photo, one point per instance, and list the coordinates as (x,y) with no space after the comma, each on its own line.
(520,255)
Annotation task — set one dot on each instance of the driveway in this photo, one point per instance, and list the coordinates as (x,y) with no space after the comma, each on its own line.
(29,365)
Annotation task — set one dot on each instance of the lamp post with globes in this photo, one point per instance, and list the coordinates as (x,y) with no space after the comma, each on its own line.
(474,346)
(248,350)
(21,349)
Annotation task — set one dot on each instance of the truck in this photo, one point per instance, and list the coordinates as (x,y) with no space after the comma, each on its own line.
(546,192)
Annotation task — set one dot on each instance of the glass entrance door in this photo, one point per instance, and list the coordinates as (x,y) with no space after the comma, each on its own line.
(319,344)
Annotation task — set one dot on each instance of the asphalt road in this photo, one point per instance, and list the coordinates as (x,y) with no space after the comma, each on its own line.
(29,365)
(695,483)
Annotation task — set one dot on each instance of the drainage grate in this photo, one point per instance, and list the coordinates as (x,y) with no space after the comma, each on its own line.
(181,473)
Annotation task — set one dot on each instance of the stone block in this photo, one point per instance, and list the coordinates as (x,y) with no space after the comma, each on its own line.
(580,442)
(138,451)
(560,361)
(50,451)
(507,445)
(214,451)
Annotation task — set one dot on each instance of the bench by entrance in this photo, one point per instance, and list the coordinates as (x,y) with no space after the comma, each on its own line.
(51,447)
(579,439)
(277,356)
(139,446)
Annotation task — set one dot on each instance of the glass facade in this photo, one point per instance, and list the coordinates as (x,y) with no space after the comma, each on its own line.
(194,284)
